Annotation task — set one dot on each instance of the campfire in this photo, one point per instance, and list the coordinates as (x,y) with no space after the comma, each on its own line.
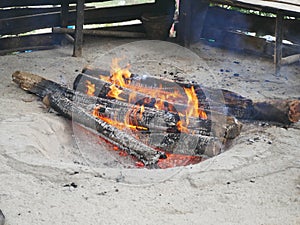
(161,123)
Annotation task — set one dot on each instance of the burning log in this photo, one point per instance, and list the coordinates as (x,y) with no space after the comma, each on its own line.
(277,110)
(58,98)
(69,109)
(211,125)
(166,137)
(153,128)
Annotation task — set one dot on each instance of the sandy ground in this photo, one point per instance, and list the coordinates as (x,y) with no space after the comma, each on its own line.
(46,178)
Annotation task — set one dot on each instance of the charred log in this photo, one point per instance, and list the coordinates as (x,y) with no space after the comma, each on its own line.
(156,127)
(217,123)
(276,110)
(126,142)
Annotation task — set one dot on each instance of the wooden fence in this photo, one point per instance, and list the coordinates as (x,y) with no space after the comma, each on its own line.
(219,27)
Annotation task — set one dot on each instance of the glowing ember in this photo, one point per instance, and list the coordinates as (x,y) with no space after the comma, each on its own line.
(174,160)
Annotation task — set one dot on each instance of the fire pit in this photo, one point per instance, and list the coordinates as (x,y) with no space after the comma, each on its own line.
(154,121)
(165,124)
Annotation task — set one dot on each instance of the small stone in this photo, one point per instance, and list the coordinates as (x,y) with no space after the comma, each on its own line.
(236,74)
(252,180)
(269,142)
(71,185)
(250,140)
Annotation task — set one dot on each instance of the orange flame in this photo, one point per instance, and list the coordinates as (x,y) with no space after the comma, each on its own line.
(116,123)
(161,99)
(115,92)
(119,78)
(90,88)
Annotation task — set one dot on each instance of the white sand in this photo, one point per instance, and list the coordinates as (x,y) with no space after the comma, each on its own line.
(253,183)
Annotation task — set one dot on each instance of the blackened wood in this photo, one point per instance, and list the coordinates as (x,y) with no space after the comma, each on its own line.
(77,50)
(112,134)
(162,137)
(284,112)
(59,99)
(217,124)
(152,118)
(237,105)
(103,87)
(278,42)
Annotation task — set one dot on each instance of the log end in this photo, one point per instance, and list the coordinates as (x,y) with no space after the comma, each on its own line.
(25,80)
(233,128)
(294,112)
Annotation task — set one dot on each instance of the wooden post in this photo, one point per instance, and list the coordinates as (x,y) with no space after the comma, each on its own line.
(77,51)
(278,43)
(64,11)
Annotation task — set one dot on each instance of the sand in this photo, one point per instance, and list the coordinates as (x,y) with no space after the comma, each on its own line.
(48,176)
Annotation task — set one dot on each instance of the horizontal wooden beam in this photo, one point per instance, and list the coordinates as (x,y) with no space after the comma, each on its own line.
(29,42)
(16,12)
(23,24)
(14,3)
(225,19)
(288,9)
(241,42)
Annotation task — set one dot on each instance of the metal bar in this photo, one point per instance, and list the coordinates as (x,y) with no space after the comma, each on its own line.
(77,51)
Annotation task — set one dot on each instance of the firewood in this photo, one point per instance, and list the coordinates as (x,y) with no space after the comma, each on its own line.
(216,117)
(161,136)
(69,109)
(284,111)
(236,105)
(41,87)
